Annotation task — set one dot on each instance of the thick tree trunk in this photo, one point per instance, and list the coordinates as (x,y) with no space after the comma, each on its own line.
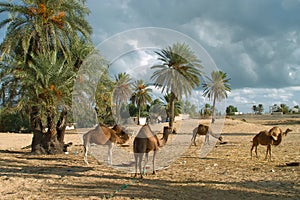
(61,126)
(166,133)
(46,142)
(37,128)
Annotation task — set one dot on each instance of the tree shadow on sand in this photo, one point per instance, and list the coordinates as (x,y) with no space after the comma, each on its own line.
(117,186)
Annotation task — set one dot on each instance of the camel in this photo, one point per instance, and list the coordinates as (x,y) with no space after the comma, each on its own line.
(204,130)
(102,135)
(268,138)
(144,142)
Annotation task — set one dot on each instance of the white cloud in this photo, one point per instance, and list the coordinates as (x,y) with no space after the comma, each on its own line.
(244,99)
(209,32)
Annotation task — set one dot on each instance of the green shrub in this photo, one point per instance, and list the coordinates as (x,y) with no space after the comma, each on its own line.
(13,122)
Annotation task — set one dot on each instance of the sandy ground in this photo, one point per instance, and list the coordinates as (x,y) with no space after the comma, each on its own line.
(227,171)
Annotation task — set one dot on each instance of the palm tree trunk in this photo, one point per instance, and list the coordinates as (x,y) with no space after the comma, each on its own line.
(213,111)
(37,128)
(61,126)
(45,143)
(139,114)
(172,107)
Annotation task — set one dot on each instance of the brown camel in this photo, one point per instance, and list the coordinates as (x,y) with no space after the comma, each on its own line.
(203,130)
(102,135)
(267,138)
(143,143)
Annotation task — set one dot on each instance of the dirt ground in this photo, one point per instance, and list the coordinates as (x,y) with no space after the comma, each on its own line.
(227,172)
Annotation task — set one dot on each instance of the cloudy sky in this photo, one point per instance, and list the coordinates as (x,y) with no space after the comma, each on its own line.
(257,43)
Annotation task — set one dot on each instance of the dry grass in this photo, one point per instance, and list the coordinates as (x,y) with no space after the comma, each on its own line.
(227,172)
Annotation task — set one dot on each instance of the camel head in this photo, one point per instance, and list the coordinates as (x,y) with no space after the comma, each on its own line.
(287,131)
(121,133)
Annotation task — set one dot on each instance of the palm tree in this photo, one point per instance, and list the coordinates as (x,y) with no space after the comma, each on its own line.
(122,92)
(206,110)
(216,88)
(103,96)
(178,74)
(141,96)
(260,108)
(167,105)
(40,60)
(41,26)
(254,108)
(43,85)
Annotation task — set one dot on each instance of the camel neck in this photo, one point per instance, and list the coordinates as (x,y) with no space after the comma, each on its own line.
(278,141)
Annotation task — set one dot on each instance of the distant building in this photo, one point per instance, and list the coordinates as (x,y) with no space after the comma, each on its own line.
(238,113)
(295,110)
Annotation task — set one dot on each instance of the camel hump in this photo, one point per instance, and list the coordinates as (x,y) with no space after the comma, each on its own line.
(275,132)
(203,129)
(145,132)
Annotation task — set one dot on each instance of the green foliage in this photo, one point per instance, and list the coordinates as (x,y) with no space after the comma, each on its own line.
(258,109)
(189,108)
(37,27)
(216,88)
(42,50)
(13,122)
(284,108)
(207,110)
(230,110)
(178,74)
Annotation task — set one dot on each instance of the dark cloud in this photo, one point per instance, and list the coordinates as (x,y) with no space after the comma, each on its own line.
(256,42)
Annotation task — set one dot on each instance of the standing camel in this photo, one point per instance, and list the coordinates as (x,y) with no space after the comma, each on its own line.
(102,135)
(144,142)
(203,130)
(267,138)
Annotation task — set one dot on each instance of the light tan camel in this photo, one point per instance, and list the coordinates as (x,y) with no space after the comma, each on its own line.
(144,142)
(204,130)
(267,138)
(102,135)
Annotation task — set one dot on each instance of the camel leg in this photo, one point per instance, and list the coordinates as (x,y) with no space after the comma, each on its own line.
(109,159)
(206,140)
(194,138)
(86,149)
(136,161)
(256,152)
(153,162)
(268,149)
(270,152)
(140,163)
(146,161)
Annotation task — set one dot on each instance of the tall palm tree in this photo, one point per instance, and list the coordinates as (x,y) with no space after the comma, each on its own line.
(141,96)
(43,85)
(216,88)
(178,74)
(43,25)
(122,92)
(39,55)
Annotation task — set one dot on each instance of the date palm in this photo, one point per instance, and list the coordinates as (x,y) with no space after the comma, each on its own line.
(44,85)
(178,74)
(37,27)
(216,88)
(40,56)
(122,92)
(141,96)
